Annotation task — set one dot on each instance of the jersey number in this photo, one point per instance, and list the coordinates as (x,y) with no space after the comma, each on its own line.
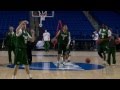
(103,35)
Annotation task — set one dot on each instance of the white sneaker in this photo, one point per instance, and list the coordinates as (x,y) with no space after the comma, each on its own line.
(69,64)
(104,63)
(13,77)
(64,63)
(29,77)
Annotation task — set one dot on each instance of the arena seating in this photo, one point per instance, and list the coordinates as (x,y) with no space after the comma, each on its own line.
(78,24)
(109,18)
(12,18)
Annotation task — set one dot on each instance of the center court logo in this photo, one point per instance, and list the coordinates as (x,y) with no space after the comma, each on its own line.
(52,66)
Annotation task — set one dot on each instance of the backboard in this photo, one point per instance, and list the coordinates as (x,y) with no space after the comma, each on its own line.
(42,15)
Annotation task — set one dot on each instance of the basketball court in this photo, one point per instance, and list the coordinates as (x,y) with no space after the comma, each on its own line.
(44,64)
(43,67)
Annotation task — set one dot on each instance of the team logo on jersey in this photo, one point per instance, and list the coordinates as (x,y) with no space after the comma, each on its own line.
(63,36)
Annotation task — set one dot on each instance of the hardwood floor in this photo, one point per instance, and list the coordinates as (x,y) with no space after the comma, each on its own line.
(110,72)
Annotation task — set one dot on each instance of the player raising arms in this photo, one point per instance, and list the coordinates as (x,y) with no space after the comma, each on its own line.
(22,37)
(64,40)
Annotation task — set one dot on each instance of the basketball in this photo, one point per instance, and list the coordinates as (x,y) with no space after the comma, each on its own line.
(87,60)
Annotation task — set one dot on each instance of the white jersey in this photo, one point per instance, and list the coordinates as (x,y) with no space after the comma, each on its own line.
(95,36)
(109,33)
(46,36)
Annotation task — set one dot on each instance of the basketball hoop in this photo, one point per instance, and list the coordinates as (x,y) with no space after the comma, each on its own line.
(43,16)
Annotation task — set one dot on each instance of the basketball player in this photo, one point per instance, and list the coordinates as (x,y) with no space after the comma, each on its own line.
(22,37)
(112,49)
(30,45)
(104,35)
(63,43)
(46,38)
(95,38)
(10,39)
(68,49)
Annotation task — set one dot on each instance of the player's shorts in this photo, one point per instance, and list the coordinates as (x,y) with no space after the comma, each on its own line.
(102,48)
(21,56)
(67,51)
(62,48)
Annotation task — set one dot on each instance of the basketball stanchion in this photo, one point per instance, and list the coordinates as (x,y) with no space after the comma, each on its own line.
(42,18)
(42,15)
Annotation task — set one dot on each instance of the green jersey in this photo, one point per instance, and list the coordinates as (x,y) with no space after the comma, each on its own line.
(10,39)
(21,45)
(63,37)
(103,35)
(21,40)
